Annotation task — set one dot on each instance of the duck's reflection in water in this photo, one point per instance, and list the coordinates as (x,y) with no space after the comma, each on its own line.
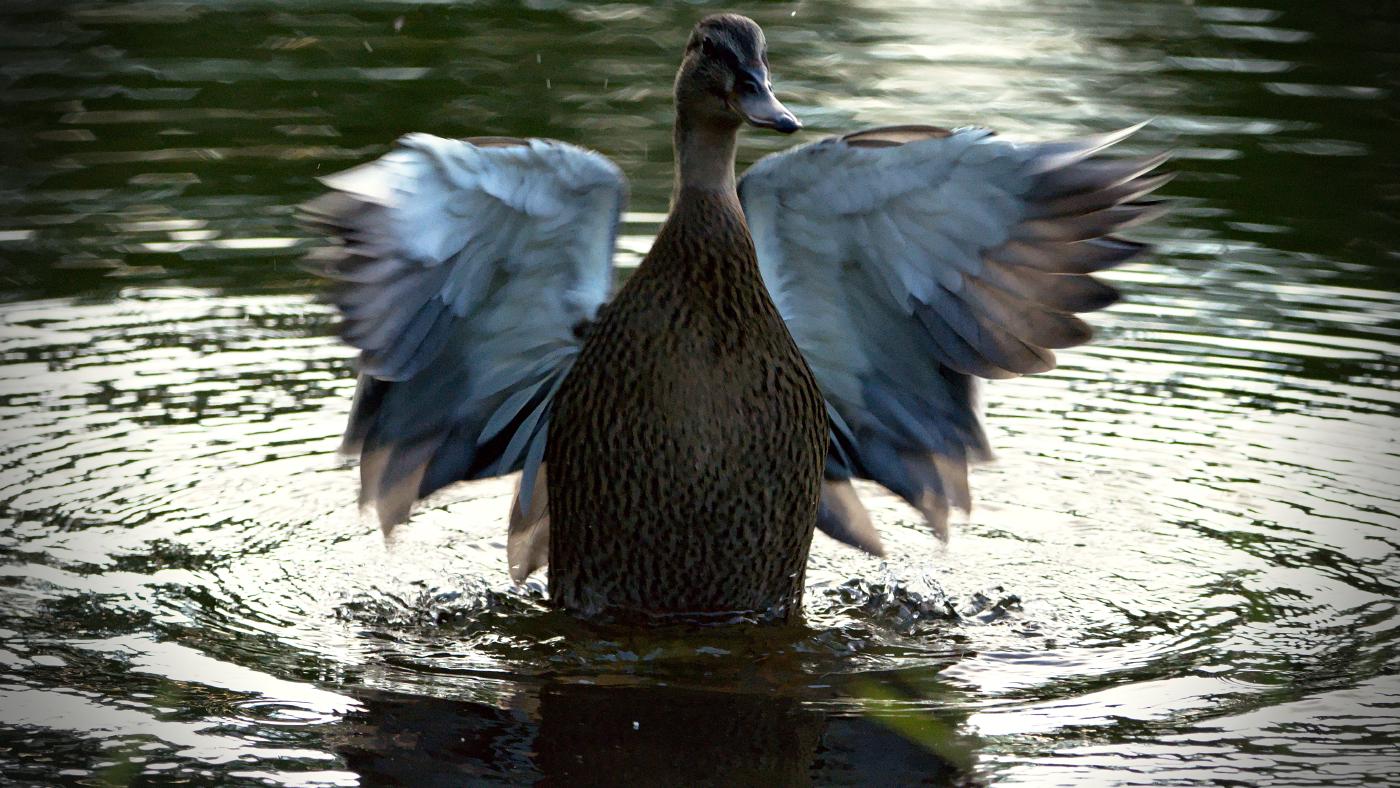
(570,733)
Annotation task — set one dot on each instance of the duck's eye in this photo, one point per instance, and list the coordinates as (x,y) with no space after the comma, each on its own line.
(749,85)
(708,47)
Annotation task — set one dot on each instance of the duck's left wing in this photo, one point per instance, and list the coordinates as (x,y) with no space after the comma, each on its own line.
(464,272)
(909,261)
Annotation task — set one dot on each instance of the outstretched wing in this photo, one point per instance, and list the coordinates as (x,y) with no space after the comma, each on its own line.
(465,269)
(909,261)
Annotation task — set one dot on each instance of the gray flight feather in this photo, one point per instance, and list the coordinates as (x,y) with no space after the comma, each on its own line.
(462,268)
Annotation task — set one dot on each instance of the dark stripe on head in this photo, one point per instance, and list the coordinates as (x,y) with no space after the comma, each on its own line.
(737,39)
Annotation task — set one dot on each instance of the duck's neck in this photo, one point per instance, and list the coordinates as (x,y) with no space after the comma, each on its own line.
(705,241)
(704,156)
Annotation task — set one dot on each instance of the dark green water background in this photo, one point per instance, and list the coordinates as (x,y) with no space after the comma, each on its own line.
(1182,569)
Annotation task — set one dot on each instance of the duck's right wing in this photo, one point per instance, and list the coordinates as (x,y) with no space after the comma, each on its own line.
(463,273)
(910,261)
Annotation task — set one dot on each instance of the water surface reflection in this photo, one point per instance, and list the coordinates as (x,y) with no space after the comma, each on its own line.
(1183,567)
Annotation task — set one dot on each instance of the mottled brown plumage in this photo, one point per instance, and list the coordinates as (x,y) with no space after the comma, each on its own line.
(686,445)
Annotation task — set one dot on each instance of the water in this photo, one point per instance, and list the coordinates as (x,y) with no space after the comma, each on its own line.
(1183,569)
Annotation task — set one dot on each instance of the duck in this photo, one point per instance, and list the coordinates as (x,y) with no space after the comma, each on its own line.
(824,318)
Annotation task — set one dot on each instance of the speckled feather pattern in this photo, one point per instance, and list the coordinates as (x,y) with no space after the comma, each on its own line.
(686,445)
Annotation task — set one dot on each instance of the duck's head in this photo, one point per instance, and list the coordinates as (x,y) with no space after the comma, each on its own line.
(723,79)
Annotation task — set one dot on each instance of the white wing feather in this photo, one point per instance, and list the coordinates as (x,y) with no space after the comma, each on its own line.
(463,270)
(908,260)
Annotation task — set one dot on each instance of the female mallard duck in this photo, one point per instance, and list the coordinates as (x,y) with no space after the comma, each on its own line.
(825,317)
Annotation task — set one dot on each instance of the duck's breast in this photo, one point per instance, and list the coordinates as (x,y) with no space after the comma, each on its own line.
(685,456)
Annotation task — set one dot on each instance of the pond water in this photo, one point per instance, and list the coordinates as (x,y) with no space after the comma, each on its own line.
(1182,569)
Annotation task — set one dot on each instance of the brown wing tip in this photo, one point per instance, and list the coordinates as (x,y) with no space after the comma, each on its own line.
(527,541)
(935,511)
(496,142)
(891,136)
(844,518)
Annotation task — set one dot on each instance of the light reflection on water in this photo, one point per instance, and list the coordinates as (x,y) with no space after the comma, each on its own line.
(1183,566)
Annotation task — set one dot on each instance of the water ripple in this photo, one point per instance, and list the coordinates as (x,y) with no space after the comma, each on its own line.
(1182,568)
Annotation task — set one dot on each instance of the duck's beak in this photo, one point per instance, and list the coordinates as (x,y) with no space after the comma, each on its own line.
(760,107)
